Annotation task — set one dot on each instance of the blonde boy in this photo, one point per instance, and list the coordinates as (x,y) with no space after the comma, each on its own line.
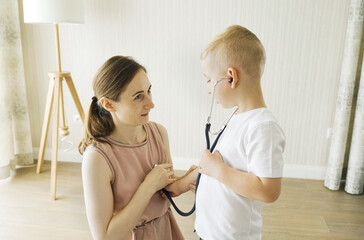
(245,170)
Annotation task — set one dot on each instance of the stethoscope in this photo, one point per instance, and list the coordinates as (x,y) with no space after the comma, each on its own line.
(207,131)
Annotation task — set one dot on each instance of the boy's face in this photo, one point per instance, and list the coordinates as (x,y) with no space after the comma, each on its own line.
(213,73)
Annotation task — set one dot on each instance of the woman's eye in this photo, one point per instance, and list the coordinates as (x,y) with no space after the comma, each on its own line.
(139,96)
(208,81)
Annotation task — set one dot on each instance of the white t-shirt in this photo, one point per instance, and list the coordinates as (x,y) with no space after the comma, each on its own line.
(252,142)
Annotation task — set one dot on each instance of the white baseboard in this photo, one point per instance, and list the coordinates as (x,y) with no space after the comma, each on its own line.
(304,171)
(63,156)
(289,171)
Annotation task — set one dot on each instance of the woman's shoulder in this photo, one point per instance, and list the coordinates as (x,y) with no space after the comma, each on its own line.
(159,127)
(97,152)
(95,160)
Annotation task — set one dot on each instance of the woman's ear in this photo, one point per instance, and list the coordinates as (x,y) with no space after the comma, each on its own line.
(233,74)
(107,104)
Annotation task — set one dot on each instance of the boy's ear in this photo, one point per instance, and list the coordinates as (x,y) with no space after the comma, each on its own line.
(107,104)
(233,74)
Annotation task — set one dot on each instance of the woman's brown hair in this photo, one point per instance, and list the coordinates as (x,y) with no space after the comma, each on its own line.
(111,79)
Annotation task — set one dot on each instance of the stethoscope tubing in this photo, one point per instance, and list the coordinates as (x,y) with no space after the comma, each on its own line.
(185,214)
(207,136)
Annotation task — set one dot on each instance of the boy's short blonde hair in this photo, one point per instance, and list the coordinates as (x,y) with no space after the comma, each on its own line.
(237,47)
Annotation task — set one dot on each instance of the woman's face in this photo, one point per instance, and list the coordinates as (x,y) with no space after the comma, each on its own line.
(135,102)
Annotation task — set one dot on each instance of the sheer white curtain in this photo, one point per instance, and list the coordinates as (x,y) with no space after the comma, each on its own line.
(15,138)
(347,143)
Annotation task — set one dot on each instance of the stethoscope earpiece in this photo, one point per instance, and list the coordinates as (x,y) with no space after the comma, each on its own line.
(231,80)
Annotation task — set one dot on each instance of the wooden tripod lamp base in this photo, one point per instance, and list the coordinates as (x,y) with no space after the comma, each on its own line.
(55,12)
(55,103)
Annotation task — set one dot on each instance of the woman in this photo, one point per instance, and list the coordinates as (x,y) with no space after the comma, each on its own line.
(120,149)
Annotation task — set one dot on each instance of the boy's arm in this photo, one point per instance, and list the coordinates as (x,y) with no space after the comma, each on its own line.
(245,184)
(182,185)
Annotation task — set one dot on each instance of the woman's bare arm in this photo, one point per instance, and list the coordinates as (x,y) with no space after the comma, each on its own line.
(97,177)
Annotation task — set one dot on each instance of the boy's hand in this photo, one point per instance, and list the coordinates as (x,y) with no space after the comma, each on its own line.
(211,163)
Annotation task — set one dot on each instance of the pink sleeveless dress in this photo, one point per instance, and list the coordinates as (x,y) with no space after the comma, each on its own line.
(130,164)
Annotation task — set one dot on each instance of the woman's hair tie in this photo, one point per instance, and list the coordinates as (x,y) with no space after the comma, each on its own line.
(94,98)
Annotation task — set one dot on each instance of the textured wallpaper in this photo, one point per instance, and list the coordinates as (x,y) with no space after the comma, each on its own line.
(304,41)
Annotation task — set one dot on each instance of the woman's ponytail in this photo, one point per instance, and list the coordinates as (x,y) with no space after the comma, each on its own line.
(98,124)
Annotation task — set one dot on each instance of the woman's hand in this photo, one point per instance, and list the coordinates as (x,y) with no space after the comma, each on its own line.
(160,176)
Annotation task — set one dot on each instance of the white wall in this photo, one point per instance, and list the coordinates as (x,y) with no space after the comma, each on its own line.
(304,41)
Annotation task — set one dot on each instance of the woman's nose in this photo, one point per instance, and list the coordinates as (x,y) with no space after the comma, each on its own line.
(150,103)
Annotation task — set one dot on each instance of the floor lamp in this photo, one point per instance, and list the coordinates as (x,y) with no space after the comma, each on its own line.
(55,11)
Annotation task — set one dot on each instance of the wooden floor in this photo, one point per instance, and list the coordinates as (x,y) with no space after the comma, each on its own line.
(305,210)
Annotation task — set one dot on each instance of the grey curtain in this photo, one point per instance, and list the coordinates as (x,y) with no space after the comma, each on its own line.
(15,138)
(346,154)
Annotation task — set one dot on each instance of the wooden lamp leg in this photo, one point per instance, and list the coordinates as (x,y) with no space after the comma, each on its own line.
(63,128)
(58,81)
(46,119)
(73,91)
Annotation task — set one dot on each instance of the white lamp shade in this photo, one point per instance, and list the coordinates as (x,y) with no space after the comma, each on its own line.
(53,11)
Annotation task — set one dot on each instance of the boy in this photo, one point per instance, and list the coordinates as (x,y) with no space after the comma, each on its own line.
(246,168)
